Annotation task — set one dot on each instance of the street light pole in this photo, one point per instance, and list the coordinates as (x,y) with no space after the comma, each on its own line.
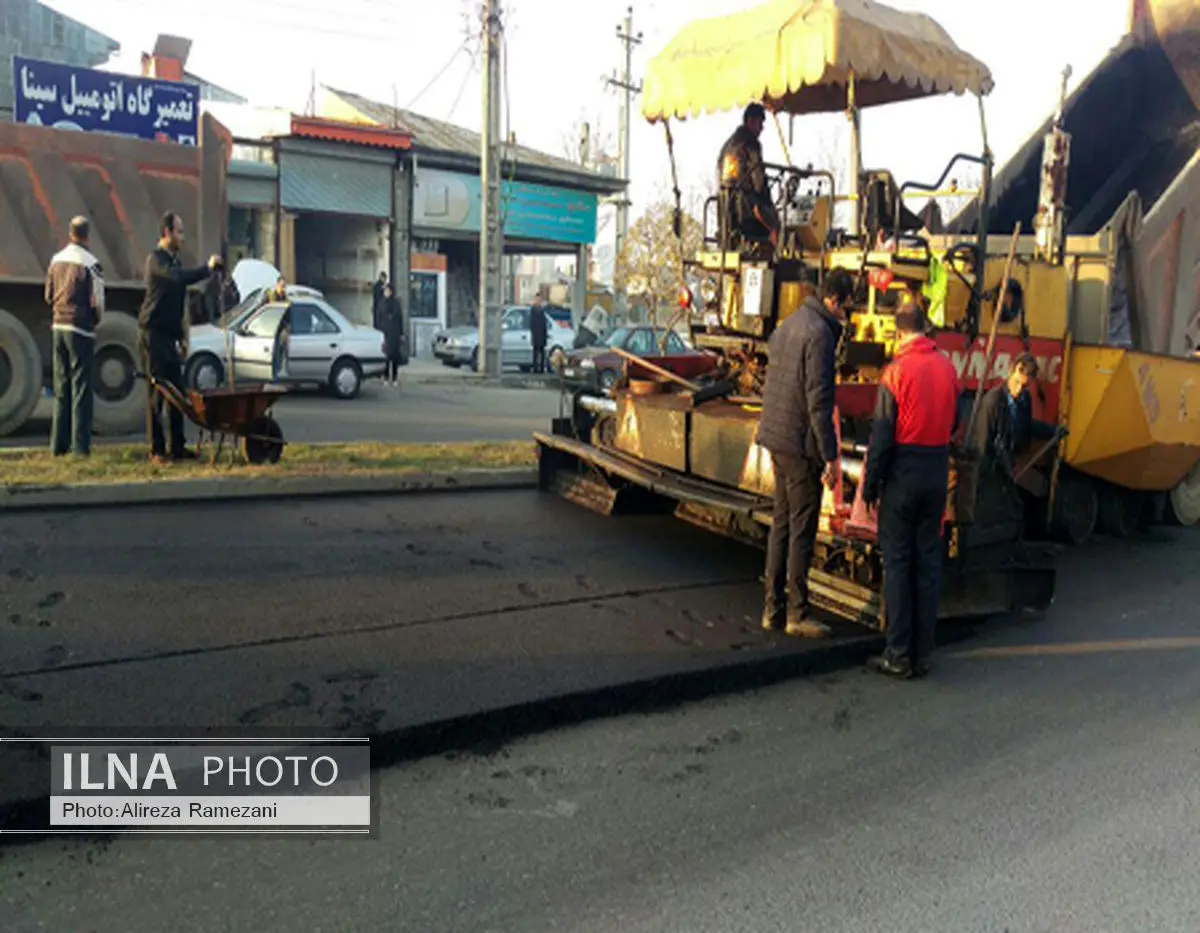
(491,242)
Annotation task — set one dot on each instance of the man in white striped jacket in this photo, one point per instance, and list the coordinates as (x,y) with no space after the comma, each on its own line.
(75,294)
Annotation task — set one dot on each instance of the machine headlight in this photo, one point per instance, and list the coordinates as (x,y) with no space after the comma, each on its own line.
(587,364)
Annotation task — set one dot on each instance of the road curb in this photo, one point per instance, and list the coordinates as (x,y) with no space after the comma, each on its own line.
(486,732)
(474,379)
(169,492)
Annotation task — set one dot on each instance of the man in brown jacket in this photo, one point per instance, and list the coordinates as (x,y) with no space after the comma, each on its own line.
(75,294)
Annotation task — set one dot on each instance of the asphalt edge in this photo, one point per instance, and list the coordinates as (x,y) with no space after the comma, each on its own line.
(217,489)
(484,734)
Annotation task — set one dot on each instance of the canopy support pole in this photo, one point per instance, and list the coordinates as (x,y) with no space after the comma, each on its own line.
(854,115)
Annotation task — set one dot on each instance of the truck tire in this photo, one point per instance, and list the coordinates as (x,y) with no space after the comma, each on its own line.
(120,406)
(20,373)
(1183,502)
(1120,511)
(1076,508)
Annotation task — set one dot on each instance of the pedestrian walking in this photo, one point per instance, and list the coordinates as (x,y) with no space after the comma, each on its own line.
(796,427)
(537,334)
(75,294)
(907,475)
(391,319)
(162,325)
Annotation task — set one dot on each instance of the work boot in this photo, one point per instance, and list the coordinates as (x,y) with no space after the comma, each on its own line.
(901,670)
(922,668)
(772,620)
(159,460)
(808,628)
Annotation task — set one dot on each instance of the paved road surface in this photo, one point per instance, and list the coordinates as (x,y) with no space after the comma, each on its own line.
(1026,786)
(415,412)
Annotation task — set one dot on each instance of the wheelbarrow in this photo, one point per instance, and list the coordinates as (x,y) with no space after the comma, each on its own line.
(243,413)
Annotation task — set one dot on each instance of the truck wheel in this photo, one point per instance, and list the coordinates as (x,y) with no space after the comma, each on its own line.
(1120,511)
(1076,508)
(20,373)
(1183,502)
(120,406)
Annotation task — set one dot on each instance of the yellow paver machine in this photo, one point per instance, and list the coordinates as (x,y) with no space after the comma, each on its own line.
(1084,293)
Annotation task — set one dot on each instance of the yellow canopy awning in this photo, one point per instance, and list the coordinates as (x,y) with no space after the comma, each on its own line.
(797,56)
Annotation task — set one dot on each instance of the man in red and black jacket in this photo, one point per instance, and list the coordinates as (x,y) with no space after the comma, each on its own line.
(907,474)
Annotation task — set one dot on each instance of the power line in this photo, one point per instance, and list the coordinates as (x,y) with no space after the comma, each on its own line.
(434,80)
(461,89)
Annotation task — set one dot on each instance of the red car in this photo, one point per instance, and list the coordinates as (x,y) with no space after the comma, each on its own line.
(599,367)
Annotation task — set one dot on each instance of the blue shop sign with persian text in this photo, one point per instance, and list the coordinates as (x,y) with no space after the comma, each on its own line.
(70,98)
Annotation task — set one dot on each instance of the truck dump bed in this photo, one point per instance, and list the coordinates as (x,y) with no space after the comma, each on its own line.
(122,185)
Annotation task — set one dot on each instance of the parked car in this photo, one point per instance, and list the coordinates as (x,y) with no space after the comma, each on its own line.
(598,367)
(459,346)
(324,348)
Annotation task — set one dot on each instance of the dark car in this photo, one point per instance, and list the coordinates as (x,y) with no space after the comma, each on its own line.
(598,367)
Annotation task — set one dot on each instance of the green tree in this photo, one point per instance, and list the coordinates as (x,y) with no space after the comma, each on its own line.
(650,264)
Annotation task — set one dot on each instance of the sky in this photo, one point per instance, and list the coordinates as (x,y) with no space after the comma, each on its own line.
(559,52)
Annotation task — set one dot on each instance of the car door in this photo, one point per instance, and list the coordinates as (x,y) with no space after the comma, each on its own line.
(515,338)
(315,342)
(254,344)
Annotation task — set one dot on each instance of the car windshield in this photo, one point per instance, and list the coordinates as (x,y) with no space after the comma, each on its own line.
(234,315)
(618,337)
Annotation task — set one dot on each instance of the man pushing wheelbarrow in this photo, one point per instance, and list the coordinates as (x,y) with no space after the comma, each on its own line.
(242,414)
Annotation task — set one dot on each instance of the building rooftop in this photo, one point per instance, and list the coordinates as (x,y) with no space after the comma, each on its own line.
(438,136)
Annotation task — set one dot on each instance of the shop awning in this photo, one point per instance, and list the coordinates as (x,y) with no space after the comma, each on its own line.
(797,56)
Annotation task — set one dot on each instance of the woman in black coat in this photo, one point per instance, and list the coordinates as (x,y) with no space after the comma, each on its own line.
(391,320)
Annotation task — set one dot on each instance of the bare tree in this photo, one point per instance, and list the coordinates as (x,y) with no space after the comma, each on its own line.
(650,263)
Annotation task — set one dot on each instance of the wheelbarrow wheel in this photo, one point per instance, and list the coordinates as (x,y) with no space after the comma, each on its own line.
(264,443)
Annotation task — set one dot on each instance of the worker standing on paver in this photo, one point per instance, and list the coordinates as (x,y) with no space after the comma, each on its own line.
(906,481)
(797,428)
(742,178)
(75,294)
(162,324)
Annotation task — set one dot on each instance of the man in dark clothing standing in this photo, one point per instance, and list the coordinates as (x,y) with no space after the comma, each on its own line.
(907,475)
(391,320)
(75,294)
(537,334)
(162,324)
(796,426)
(377,297)
(742,178)
(1005,423)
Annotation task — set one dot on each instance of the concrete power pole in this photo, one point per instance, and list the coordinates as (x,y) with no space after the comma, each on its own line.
(628,88)
(491,236)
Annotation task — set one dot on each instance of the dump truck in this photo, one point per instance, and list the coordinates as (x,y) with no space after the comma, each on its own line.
(123,185)
(683,434)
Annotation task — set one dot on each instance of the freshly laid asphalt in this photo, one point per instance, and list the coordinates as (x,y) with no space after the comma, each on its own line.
(1042,779)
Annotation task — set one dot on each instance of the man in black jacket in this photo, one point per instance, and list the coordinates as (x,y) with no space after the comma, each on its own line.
(741,175)
(537,334)
(162,325)
(796,426)
(1005,424)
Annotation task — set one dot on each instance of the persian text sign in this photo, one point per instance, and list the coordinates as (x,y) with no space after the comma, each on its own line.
(70,98)
(198,786)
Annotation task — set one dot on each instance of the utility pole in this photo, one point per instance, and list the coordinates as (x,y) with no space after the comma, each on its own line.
(491,236)
(628,88)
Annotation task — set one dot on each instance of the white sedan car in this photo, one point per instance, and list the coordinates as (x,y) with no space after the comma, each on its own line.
(324,348)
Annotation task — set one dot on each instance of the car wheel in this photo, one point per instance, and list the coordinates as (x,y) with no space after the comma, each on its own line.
(120,398)
(20,373)
(345,379)
(205,372)
(475,360)
(608,379)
